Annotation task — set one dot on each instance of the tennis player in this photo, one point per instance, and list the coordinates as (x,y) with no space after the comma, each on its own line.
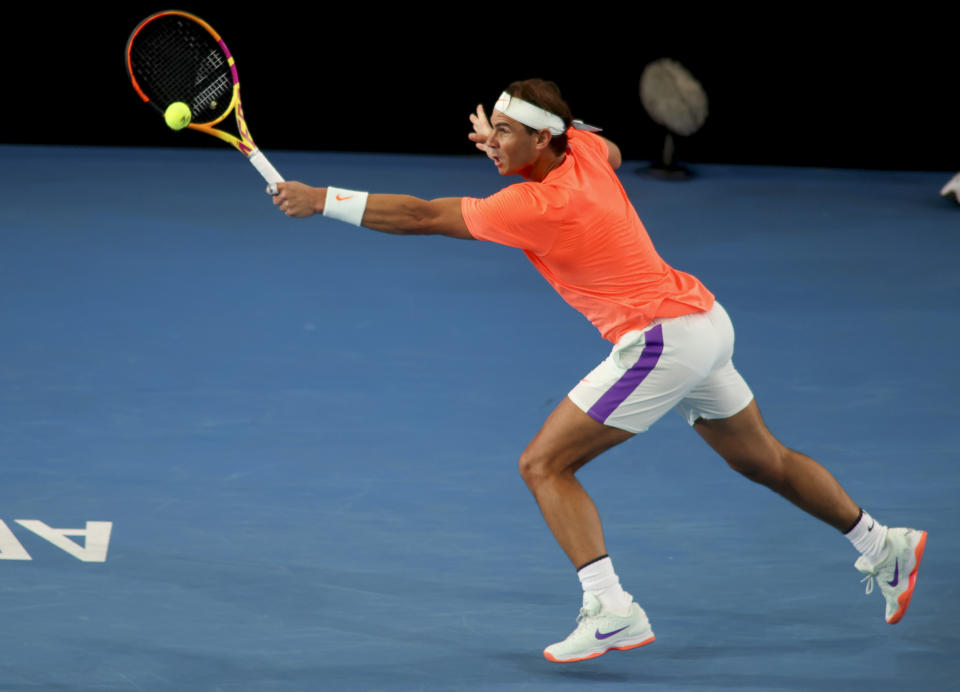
(672,349)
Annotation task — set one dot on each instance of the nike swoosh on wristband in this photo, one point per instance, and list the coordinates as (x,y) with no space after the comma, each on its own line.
(608,634)
(344,199)
(896,574)
(874,523)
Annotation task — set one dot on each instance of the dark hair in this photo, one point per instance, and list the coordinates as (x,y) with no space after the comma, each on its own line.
(546,95)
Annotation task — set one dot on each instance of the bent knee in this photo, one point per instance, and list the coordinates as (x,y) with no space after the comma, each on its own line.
(532,466)
(535,466)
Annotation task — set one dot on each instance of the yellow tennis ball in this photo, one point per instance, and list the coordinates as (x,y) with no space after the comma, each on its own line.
(177,115)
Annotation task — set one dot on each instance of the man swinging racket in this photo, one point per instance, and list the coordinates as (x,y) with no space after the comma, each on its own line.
(672,348)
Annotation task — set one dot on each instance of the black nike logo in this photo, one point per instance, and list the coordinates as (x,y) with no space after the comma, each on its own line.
(872,524)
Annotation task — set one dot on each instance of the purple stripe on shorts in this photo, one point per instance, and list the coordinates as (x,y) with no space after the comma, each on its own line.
(632,378)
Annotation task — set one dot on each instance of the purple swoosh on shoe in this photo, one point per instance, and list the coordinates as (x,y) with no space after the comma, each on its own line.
(608,634)
(896,574)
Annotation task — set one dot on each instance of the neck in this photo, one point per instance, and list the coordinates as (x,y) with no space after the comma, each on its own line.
(539,169)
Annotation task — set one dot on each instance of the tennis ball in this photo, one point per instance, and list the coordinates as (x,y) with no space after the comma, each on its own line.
(177,115)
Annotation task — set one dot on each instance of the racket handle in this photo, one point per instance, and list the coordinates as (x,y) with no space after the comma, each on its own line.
(266,169)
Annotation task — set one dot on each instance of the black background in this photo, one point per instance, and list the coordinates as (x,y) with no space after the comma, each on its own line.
(789,85)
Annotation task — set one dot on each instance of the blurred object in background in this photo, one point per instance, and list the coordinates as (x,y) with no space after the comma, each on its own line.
(952,189)
(673,99)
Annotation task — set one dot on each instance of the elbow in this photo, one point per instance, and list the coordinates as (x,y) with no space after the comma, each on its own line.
(436,217)
(426,218)
(418,219)
(422,221)
(615,158)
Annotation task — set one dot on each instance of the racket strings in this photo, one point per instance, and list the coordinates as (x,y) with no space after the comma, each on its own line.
(175,59)
(214,60)
(212,93)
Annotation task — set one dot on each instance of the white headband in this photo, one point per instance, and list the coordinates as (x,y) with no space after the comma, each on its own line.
(529,115)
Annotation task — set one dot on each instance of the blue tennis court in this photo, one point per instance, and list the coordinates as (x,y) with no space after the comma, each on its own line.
(304,436)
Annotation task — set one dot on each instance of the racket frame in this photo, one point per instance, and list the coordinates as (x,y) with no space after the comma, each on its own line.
(244,143)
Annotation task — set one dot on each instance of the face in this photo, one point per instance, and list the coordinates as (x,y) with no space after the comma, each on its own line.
(511,146)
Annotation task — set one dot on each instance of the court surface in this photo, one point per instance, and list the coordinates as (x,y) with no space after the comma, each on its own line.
(305,434)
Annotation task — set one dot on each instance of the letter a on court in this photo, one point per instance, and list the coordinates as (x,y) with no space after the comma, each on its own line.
(10,547)
(94,548)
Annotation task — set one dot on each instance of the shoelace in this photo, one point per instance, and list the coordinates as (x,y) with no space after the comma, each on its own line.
(870,579)
(586,612)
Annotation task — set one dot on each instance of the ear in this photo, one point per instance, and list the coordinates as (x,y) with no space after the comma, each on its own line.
(543,139)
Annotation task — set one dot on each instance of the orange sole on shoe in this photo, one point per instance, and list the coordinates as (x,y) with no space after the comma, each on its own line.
(587,658)
(904,598)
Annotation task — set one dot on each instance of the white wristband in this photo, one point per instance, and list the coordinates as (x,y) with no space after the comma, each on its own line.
(345,205)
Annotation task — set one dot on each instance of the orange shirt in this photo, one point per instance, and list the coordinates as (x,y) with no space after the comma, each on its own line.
(580,231)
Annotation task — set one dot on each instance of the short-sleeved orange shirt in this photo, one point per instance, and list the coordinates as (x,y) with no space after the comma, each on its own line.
(580,231)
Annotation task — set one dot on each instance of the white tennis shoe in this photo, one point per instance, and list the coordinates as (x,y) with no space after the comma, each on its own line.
(598,631)
(897,573)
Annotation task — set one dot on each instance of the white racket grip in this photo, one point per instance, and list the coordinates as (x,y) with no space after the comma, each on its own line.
(266,169)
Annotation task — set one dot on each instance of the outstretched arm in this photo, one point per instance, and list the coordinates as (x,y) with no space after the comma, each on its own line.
(400,214)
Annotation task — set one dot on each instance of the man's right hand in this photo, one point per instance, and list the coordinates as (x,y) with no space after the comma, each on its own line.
(298,200)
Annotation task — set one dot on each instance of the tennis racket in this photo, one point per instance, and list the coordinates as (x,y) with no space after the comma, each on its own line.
(176,56)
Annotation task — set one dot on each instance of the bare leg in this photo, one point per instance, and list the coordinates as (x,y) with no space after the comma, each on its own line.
(750,448)
(568,439)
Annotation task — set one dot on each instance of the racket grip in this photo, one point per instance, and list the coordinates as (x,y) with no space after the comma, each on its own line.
(266,169)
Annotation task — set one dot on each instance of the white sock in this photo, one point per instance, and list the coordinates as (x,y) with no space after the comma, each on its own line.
(869,537)
(598,578)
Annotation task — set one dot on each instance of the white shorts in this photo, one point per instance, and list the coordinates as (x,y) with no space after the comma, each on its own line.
(680,362)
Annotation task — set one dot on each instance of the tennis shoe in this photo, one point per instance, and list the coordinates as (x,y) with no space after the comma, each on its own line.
(897,572)
(598,631)
(952,189)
